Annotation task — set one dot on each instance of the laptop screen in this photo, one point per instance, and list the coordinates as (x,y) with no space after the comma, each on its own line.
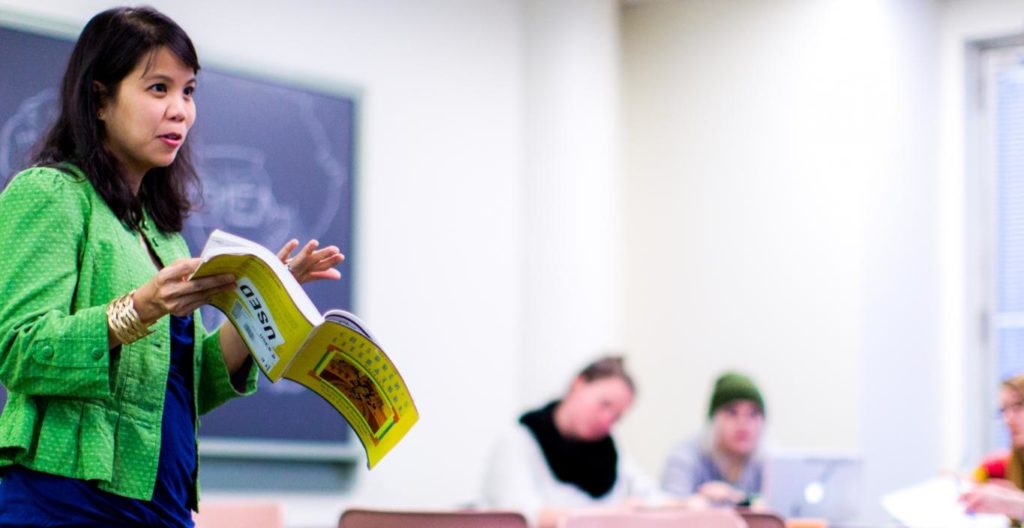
(825,486)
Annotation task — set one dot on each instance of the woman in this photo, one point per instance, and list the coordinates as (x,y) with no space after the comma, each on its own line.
(562,457)
(1002,480)
(106,363)
(721,465)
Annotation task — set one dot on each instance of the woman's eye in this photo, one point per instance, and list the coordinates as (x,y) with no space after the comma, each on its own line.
(159,87)
(189,90)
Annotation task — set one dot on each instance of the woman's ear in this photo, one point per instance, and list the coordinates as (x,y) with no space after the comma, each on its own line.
(101,96)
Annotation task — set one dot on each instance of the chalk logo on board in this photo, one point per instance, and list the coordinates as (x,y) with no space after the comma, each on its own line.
(24,129)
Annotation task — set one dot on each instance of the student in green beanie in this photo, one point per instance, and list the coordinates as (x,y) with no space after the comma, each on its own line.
(721,464)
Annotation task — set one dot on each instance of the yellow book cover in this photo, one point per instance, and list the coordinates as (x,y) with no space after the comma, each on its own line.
(333,354)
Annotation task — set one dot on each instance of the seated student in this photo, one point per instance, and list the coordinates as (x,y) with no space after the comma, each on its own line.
(721,464)
(1002,475)
(562,457)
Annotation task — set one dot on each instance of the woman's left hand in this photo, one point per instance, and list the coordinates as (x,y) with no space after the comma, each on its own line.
(310,263)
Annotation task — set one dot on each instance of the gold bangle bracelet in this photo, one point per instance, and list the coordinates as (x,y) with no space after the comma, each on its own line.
(124,320)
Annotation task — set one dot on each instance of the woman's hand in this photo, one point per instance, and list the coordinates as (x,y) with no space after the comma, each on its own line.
(170,291)
(994,498)
(311,263)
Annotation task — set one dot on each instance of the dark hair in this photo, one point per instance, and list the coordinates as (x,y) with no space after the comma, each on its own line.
(109,48)
(607,367)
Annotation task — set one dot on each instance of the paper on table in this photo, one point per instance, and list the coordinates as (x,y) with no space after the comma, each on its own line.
(935,503)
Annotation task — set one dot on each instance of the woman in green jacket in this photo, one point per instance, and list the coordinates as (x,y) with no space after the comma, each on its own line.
(106,363)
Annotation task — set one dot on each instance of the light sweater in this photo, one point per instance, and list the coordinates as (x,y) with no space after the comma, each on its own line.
(518,478)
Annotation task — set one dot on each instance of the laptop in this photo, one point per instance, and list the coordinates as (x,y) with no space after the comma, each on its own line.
(813,484)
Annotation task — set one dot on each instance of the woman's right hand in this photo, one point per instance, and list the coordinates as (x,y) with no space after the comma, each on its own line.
(994,498)
(170,291)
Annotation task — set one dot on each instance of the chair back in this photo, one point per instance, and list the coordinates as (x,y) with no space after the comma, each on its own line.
(239,514)
(358,518)
(655,519)
(762,519)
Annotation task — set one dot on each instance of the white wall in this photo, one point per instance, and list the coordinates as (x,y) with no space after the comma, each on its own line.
(572,215)
(781,219)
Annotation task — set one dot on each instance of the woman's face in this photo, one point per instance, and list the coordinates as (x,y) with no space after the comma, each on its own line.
(737,427)
(149,115)
(595,406)
(1011,405)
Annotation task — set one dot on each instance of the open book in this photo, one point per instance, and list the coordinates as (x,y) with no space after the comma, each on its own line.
(333,354)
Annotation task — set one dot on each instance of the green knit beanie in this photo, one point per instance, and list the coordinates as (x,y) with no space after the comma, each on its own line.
(733,386)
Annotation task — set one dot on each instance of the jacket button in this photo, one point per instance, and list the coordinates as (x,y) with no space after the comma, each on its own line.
(97,354)
(47,352)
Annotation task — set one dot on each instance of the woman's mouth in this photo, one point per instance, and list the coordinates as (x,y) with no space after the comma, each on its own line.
(172,139)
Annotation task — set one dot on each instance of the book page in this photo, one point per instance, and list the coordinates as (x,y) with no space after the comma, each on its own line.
(347,368)
(350,320)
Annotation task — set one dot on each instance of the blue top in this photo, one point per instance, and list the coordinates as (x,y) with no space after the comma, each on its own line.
(30,498)
(690,465)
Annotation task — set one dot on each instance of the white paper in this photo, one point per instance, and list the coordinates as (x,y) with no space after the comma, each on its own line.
(936,503)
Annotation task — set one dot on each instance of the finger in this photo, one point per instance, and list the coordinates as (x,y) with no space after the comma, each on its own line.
(302,259)
(331,274)
(329,262)
(190,308)
(286,249)
(323,253)
(307,250)
(184,267)
(190,302)
(177,270)
(213,282)
(186,304)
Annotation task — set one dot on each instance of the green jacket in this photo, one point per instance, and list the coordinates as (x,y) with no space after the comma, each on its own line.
(76,408)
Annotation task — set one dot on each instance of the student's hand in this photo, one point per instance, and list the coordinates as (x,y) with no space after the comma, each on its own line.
(759,505)
(994,498)
(720,493)
(170,291)
(1002,483)
(311,263)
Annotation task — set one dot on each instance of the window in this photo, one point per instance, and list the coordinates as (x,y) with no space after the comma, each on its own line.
(1001,133)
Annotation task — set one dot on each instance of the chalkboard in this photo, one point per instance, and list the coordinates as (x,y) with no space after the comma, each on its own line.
(277,162)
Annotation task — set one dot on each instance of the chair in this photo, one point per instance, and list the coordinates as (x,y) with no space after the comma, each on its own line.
(358,518)
(762,519)
(655,519)
(239,514)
